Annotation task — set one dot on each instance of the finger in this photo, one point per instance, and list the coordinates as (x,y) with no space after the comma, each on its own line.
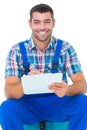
(54,88)
(34,72)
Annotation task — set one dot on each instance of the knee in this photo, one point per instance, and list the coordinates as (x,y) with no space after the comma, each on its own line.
(82,101)
(7,107)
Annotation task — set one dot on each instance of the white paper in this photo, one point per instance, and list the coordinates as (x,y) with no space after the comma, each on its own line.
(39,83)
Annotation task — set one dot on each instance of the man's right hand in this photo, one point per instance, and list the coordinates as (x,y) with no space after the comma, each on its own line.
(32,72)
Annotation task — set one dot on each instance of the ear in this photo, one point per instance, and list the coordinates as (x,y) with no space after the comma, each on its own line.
(29,22)
(53,22)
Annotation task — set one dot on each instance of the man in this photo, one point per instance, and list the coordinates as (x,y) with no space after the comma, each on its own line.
(67,103)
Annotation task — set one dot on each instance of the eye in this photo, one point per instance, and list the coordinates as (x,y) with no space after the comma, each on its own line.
(36,22)
(47,21)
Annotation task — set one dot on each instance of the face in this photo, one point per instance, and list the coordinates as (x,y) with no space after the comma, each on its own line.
(42,25)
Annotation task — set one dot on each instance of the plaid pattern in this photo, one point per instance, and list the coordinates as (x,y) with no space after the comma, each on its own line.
(68,61)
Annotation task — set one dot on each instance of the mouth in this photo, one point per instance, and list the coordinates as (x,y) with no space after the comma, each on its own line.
(42,33)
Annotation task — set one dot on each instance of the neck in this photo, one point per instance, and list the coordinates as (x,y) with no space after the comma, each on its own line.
(41,44)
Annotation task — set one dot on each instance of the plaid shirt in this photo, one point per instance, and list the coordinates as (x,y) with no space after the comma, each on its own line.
(68,62)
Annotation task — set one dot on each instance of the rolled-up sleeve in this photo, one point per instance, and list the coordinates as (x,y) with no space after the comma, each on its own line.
(72,63)
(13,63)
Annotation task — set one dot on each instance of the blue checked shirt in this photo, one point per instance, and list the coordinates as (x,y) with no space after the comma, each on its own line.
(68,61)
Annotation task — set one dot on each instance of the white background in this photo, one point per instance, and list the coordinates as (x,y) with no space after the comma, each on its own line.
(71,25)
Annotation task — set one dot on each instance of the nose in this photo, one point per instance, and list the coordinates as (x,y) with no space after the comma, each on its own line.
(42,26)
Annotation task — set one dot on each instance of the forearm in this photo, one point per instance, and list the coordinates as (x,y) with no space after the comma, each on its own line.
(13,89)
(77,88)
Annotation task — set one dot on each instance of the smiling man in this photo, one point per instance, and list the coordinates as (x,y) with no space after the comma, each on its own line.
(67,102)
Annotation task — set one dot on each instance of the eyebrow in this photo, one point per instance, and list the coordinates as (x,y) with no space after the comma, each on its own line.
(44,20)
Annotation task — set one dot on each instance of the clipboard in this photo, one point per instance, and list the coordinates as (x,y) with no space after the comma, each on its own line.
(38,83)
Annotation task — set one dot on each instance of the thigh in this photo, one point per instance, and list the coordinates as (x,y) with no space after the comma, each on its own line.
(61,109)
(56,108)
(24,109)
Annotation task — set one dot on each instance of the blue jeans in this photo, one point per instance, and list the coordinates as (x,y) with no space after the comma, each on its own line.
(31,109)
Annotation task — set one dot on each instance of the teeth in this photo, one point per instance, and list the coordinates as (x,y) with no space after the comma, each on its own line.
(42,33)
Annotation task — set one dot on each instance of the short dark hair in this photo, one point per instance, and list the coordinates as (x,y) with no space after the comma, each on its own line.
(42,8)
